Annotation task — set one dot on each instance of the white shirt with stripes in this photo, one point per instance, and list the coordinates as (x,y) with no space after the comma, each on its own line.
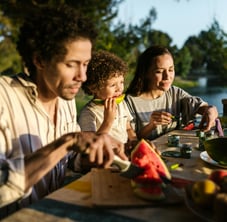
(24,128)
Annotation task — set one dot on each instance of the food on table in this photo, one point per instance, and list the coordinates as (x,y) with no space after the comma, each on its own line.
(118,100)
(223,185)
(150,184)
(218,175)
(151,192)
(211,194)
(220,207)
(203,192)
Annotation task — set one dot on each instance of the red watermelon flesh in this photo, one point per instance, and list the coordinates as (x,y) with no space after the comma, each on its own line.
(150,184)
(149,176)
(143,155)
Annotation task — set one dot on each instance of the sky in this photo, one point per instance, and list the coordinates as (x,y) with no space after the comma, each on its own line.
(179,19)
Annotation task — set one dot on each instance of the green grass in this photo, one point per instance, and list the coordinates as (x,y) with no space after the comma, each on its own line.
(184,84)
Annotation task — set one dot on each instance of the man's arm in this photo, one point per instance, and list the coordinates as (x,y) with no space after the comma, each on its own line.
(97,146)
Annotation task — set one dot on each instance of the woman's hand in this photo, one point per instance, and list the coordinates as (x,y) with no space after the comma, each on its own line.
(210,114)
(160,118)
(156,118)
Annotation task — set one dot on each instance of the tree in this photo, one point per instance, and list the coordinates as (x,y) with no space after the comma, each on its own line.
(9,58)
(197,53)
(125,41)
(183,61)
(216,51)
(159,38)
(209,52)
(12,13)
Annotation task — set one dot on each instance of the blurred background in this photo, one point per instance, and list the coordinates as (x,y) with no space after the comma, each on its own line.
(195,31)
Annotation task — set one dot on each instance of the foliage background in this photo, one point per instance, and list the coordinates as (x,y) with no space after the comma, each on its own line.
(205,54)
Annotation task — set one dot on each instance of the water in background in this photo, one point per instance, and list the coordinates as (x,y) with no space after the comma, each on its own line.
(212,95)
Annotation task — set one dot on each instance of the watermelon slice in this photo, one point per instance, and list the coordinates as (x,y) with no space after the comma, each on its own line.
(150,184)
(154,192)
(149,191)
(149,176)
(143,155)
(118,100)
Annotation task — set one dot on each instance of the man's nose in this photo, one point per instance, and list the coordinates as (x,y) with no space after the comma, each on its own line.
(81,74)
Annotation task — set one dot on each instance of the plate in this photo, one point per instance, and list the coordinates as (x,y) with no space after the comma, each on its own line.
(204,214)
(205,157)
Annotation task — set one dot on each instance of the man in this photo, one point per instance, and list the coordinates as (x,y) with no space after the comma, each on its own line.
(38,119)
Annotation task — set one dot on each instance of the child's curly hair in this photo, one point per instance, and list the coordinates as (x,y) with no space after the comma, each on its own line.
(103,66)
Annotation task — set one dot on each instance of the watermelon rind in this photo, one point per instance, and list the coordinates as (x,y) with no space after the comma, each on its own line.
(154,193)
(118,100)
(135,184)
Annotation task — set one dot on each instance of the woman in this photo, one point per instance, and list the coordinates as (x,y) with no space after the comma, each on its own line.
(156,105)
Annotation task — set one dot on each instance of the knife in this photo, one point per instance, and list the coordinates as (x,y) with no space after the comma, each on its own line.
(128,169)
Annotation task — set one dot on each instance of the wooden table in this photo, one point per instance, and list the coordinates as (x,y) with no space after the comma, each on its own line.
(193,168)
(75,201)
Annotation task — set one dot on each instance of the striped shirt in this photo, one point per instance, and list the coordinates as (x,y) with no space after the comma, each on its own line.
(24,128)
(175,101)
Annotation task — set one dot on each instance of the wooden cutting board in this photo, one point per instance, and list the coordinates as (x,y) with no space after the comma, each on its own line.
(109,189)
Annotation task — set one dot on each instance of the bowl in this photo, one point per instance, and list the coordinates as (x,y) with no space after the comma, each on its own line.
(217,149)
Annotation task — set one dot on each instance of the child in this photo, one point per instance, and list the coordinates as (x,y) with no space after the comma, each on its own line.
(107,111)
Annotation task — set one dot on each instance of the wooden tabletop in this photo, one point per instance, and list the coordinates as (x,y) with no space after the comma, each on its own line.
(193,168)
(103,195)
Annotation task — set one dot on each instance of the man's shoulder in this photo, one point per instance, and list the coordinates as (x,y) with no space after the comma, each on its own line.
(6,79)
(13,79)
(6,83)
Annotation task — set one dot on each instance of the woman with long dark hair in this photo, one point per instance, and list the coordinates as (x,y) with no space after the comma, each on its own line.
(158,106)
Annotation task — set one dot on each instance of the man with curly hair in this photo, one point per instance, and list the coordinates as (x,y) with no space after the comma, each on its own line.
(38,118)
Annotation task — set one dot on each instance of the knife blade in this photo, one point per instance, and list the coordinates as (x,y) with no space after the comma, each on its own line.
(127,169)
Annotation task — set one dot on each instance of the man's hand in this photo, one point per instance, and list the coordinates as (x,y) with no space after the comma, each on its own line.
(100,148)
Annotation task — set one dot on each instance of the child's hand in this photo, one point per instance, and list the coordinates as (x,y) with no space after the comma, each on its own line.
(110,109)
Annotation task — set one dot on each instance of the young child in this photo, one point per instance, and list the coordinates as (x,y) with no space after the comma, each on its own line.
(107,111)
